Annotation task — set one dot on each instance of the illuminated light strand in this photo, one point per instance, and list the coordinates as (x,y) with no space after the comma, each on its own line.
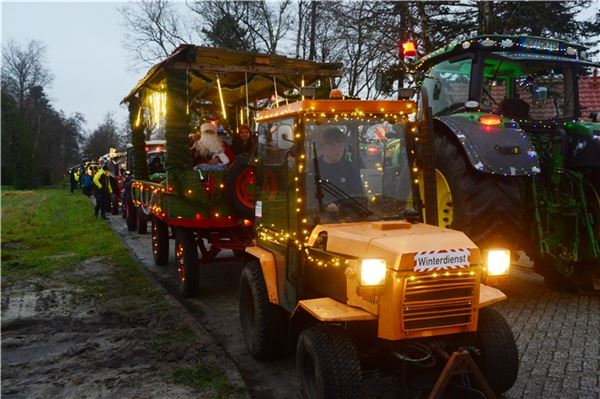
(221,98)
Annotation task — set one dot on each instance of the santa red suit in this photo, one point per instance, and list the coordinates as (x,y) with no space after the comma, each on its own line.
(210,148)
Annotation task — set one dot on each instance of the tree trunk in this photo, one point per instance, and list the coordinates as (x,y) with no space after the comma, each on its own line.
(424,19)
(485,17)
(312,53)
(299,35)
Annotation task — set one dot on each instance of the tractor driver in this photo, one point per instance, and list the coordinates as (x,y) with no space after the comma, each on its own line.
(335,167)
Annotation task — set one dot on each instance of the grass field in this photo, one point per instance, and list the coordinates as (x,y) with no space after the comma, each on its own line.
(51,230)
(50,233)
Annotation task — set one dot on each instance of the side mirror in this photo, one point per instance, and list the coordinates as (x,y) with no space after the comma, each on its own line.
(540,95)
(285,137)
(384,82)
(308,91)
(406,93)
(437,90)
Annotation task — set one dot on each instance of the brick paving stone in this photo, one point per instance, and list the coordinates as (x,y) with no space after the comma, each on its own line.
(558,337)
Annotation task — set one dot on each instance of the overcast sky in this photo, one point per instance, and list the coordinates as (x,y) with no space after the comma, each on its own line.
(84,53)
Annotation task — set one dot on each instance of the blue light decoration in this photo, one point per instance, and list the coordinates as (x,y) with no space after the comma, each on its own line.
(537,43)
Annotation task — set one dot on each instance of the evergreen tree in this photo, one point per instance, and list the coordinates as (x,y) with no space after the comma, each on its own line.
(227,33)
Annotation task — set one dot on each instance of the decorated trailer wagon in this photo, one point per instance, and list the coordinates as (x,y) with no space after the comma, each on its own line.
(206,210)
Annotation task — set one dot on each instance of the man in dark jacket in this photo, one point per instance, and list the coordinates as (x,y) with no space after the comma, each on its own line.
(102,191)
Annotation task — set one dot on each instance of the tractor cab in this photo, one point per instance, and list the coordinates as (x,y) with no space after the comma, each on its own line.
(521,78)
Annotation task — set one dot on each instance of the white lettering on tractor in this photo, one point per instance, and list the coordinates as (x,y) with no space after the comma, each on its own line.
(442,259)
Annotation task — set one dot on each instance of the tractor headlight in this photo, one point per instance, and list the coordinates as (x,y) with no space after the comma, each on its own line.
(497,262)
(372,272)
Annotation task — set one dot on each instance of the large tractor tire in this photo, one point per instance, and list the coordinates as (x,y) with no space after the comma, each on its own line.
(239,187)
(131,216)
(487,208)
(499,359)
(141,221)
(327,364)
(264,325)
(186,252)
(160,241)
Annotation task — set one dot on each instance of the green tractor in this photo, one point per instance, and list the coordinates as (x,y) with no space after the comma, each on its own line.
(505,154)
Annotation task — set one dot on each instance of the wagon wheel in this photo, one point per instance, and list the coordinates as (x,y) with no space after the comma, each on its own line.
(209,251)
(187,262)
(239,187)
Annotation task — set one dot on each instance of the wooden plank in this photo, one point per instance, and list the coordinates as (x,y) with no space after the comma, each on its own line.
(258,69)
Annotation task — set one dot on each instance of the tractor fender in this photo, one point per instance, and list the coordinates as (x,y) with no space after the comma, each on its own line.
(503,150)
(269,271)
(328,310)
(489,295)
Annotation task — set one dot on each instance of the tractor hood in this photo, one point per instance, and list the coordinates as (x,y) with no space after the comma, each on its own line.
(400,243)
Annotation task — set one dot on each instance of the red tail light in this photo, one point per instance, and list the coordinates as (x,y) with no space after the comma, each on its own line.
(408,49)
(490,120)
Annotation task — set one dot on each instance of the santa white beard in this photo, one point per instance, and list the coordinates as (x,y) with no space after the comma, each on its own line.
(208,145)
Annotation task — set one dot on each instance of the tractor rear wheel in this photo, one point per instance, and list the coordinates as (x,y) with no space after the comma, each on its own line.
(264,325)
(327,364)
(487,208)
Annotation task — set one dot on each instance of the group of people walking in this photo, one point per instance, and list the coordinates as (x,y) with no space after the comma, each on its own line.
(97,181)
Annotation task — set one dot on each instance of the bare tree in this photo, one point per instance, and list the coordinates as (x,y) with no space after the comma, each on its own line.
(154,31)
(23,68)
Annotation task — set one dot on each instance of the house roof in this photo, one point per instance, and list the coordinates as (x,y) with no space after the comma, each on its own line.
(589,95)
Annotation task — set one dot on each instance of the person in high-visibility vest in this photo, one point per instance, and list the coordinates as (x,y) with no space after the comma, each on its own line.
(102,191)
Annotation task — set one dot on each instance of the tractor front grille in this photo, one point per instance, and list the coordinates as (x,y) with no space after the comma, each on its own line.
(438,300)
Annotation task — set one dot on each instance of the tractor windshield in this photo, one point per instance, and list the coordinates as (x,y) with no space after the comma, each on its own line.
(356,170)
(447,85)
(524,88)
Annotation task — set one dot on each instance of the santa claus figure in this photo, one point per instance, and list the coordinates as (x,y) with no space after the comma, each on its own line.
(210,152)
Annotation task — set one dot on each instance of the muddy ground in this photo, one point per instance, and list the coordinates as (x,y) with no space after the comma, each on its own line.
(61,337)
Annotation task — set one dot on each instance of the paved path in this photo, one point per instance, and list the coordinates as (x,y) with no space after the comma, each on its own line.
(558,334)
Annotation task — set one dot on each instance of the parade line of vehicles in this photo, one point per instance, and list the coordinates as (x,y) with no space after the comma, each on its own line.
(325,212)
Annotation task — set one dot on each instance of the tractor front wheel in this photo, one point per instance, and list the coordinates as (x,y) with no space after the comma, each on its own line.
(327,364)
(499,359)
